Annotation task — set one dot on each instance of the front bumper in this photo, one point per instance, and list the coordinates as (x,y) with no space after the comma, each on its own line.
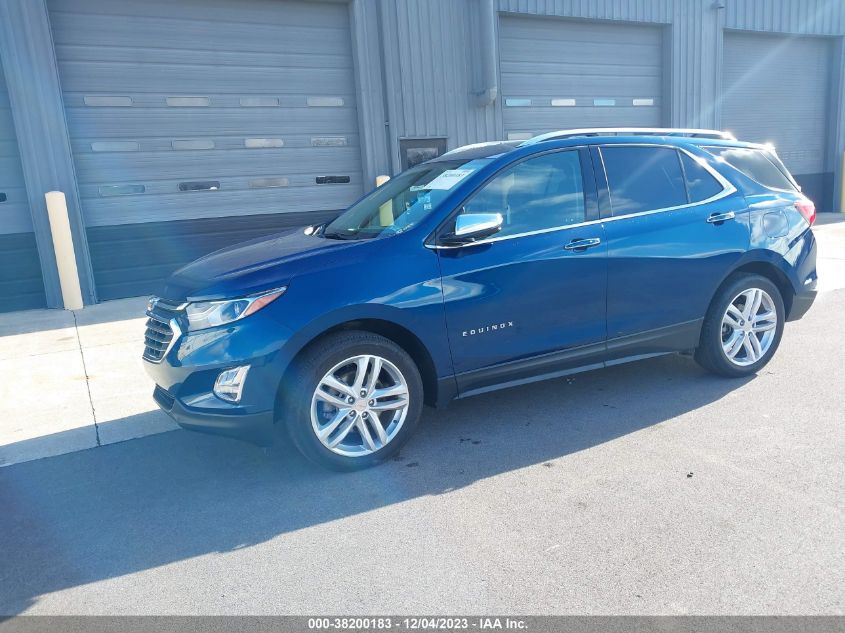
(186,374)
(257,428)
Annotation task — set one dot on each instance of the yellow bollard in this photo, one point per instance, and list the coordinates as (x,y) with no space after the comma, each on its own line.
(385,211)
(63,246)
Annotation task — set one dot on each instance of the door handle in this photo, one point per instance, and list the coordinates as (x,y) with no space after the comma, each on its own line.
(718,218)
(582,244)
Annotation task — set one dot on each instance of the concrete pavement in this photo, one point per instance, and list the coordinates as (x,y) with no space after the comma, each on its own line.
(74,380)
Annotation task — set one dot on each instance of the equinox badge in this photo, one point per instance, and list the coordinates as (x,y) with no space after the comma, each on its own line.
(488,328)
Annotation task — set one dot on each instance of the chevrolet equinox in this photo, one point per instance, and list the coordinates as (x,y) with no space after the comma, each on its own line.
(494,265)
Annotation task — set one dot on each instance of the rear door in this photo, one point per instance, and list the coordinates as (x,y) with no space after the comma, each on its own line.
(674,228)
(530,300)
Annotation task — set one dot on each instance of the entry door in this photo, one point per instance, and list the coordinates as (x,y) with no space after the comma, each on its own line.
(531,299)
(675,232)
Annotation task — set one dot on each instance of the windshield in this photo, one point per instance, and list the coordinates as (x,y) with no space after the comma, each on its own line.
(402,202)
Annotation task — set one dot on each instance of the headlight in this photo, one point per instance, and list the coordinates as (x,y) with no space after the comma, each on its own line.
(206,314)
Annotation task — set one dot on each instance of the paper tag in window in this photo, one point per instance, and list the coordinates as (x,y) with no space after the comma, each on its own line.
(449,179)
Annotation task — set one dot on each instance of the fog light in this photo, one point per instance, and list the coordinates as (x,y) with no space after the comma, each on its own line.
(230,384)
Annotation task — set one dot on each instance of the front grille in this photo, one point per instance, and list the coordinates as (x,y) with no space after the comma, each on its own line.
(159,335)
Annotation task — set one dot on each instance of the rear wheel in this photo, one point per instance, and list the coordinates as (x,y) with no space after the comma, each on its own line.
(356,398)
(743,326)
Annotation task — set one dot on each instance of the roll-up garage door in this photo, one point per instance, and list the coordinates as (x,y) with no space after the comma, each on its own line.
(776,90)
(199,123)
(559,74)
(21,285)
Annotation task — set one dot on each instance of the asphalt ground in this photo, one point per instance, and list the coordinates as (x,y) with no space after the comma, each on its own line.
(649,488)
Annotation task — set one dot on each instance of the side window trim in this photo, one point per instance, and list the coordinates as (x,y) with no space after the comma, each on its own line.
(727,187)
(684,176)
(432,242)
(600,174)
(589,184)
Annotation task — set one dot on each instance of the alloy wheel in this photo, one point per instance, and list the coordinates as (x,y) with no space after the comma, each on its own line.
(359,406)
(749,326)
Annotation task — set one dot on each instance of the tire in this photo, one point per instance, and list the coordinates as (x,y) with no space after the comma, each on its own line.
(719,338)
(332,414)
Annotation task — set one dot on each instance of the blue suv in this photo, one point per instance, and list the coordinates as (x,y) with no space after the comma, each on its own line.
(493,265)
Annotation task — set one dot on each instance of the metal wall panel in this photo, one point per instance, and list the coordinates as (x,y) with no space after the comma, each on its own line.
(559,74)
(433,70)
(14,208)
(367,56)
(21,284)
(776,89)
(255,95)
(807,17)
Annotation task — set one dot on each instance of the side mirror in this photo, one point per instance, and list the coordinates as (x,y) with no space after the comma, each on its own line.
(471,227)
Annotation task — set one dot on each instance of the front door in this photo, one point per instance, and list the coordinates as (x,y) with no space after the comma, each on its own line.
(530,300)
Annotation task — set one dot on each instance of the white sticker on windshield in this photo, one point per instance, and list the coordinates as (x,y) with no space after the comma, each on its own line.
(448,179)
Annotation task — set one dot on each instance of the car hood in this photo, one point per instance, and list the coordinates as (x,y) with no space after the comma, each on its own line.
(255,266)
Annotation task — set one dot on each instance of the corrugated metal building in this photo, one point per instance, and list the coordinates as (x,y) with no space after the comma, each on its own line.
(176,127)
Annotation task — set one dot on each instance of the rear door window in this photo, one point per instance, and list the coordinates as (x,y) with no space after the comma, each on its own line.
(643,178)
(755,164)
(701,184)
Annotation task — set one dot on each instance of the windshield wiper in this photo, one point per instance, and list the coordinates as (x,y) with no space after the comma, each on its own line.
(336,235)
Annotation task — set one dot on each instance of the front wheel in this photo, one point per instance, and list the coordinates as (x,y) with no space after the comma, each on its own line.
(743,326)
(355,398)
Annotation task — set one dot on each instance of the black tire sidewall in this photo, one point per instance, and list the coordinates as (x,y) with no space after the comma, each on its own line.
(311,368)
(716,359)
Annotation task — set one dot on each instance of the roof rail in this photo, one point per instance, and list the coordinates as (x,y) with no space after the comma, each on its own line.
(631,131)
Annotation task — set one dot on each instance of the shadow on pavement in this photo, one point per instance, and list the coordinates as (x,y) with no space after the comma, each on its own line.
(102,513)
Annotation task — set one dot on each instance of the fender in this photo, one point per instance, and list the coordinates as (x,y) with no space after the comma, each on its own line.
(436,345)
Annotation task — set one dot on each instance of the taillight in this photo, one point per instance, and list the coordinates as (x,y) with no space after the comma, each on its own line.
(807,209)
